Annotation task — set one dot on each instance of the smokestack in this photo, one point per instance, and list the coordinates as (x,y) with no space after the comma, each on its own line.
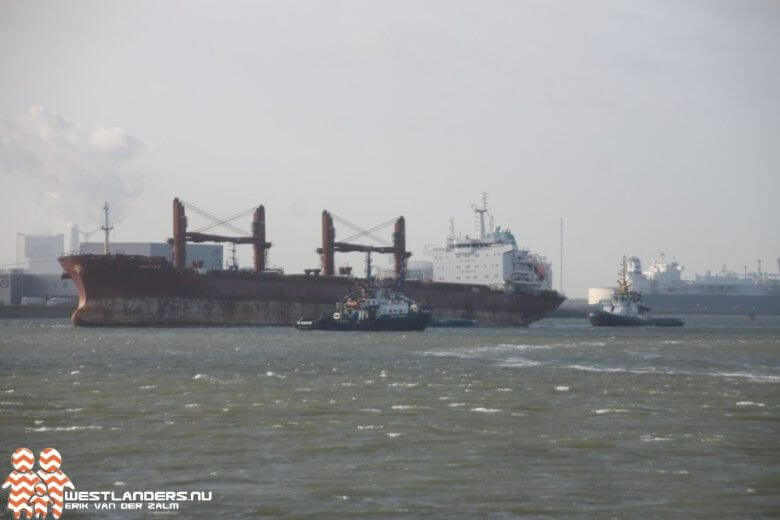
(179,231)
(328,248)
(73,238)
(399,244)
(258,234)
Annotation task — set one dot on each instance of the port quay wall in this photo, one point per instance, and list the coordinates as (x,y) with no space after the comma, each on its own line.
(128,290)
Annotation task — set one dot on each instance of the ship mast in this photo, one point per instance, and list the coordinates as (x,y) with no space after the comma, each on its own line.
(106,227)
(481,212)
(622,278)
(233,260)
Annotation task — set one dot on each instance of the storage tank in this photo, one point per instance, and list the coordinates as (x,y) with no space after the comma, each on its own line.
(599,294)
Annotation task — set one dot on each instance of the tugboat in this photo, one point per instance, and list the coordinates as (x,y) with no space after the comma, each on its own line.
(626,309)
(372,309)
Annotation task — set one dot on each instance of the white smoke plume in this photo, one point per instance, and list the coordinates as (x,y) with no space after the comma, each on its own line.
(68,170)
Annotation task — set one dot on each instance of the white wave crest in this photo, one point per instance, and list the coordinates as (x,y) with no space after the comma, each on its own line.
(64,428)
(652,438)
(518,362)
(756,378)
(603,411)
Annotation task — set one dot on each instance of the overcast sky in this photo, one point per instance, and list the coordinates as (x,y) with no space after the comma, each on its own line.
(648,126)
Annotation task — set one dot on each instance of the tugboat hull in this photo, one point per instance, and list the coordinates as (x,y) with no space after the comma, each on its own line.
(417,322)
(605,319)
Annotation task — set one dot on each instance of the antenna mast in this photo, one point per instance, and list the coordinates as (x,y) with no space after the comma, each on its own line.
(106,227)
(233,259)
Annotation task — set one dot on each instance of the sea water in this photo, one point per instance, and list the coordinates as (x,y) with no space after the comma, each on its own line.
(558,420)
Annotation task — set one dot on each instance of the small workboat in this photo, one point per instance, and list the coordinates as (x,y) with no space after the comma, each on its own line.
(626,309)
(372,309)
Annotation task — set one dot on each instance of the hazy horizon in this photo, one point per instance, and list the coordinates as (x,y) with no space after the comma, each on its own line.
(647,127)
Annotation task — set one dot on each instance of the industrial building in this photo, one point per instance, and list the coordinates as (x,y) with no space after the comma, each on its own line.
(18,287)
(39,252)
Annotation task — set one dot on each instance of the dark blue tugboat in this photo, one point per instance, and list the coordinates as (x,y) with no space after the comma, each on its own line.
(626,309)
(372,309)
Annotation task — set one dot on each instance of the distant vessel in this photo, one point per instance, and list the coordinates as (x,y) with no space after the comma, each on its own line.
(492,259)
(725,292)
(372,309)
(626,308)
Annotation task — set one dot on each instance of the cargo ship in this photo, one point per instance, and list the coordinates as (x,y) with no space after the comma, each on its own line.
(135,290)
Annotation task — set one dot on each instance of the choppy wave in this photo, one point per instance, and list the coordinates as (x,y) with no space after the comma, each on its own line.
(370,426)
(64,428)
(519,362)
(485,350)
(654,438)
(482,409)
(756,378)
(512,346)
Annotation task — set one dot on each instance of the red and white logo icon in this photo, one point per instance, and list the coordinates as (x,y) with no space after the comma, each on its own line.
(31,493)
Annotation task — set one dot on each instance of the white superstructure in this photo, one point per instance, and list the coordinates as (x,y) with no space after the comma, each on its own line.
(493,259)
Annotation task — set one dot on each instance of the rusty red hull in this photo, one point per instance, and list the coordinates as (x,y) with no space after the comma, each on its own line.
(126,290)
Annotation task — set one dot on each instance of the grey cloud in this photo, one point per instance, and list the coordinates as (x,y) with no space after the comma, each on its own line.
(73,170)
